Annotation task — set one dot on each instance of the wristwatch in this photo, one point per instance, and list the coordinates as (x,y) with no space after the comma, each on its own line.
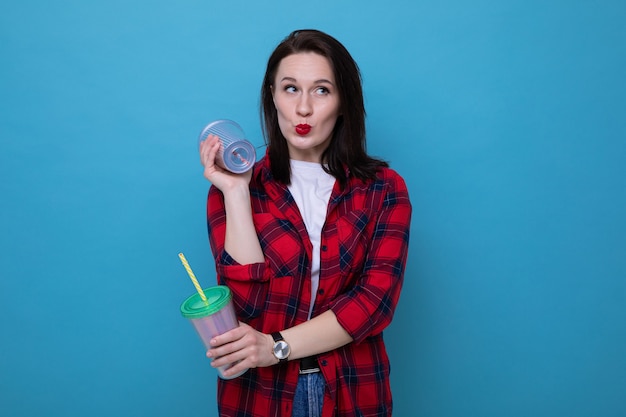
(281,348)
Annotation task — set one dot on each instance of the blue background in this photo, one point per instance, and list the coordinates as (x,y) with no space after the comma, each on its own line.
(507,119)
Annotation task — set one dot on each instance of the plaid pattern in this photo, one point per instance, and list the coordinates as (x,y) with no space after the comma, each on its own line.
(363,255)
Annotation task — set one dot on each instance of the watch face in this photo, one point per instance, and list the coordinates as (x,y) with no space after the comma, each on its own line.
(281,349)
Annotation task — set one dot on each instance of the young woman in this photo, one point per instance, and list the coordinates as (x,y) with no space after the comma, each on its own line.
(312,243)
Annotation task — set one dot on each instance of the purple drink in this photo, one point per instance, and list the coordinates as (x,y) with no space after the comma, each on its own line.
(213,318)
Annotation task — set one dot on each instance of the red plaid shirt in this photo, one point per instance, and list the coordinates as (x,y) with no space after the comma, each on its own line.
(363,254)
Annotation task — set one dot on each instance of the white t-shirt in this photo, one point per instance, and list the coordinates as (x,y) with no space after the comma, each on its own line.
(311,187)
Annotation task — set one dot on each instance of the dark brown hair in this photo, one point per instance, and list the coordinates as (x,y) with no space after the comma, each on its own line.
(347,148)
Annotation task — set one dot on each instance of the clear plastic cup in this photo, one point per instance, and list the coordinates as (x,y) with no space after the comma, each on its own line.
(213,318)
(236,154)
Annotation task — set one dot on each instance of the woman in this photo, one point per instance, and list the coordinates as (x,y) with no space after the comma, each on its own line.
(312,243)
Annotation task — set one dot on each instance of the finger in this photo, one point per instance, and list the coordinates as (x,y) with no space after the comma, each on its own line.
(208,149)
(226,355)
(224,350)
(241,358)
(227,344)
(229,336)
(235,369)
(210,139)
(232,345)
(226,359)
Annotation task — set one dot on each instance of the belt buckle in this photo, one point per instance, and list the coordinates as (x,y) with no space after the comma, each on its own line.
(308,371)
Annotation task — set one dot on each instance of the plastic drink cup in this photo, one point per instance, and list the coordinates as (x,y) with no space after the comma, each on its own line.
(236,154)
(213,318)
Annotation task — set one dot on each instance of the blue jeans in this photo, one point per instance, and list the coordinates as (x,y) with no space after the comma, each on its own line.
(309,395)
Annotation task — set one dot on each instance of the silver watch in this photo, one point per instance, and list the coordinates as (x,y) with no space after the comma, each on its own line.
(281,348)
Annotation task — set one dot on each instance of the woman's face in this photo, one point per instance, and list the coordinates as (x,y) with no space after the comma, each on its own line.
(307,103)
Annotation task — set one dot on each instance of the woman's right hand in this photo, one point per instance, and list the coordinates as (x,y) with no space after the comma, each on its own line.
(241,241)
(223,179)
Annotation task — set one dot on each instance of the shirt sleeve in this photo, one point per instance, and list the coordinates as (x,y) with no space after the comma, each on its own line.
(248,283)
(369,306)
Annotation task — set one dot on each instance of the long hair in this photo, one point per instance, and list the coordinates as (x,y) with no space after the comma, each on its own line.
(346,153)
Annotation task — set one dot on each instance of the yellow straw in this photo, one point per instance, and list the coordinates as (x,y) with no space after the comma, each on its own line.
(193,277)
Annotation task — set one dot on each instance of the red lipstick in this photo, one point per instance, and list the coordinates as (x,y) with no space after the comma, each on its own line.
(303,129)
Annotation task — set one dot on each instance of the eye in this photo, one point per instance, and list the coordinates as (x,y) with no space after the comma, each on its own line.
(290,88)
(322,91)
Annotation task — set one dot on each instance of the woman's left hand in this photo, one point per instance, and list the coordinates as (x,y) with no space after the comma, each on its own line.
(245,344)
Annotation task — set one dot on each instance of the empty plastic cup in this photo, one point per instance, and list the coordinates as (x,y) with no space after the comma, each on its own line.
(236,154)
(213,318)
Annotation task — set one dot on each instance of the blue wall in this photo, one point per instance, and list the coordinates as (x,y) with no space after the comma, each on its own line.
(507,119)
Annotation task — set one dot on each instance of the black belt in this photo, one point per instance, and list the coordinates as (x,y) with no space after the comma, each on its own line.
(309,365)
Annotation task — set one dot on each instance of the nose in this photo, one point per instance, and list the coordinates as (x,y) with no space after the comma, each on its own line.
(303,107)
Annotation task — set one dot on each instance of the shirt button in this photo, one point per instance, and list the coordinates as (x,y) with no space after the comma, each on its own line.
(323,362)
(320,291)
(324,248)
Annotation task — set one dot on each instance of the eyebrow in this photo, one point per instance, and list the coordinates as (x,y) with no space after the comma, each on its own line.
(321,80)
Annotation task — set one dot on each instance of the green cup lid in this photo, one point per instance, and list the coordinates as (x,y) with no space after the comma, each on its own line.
(217,297)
